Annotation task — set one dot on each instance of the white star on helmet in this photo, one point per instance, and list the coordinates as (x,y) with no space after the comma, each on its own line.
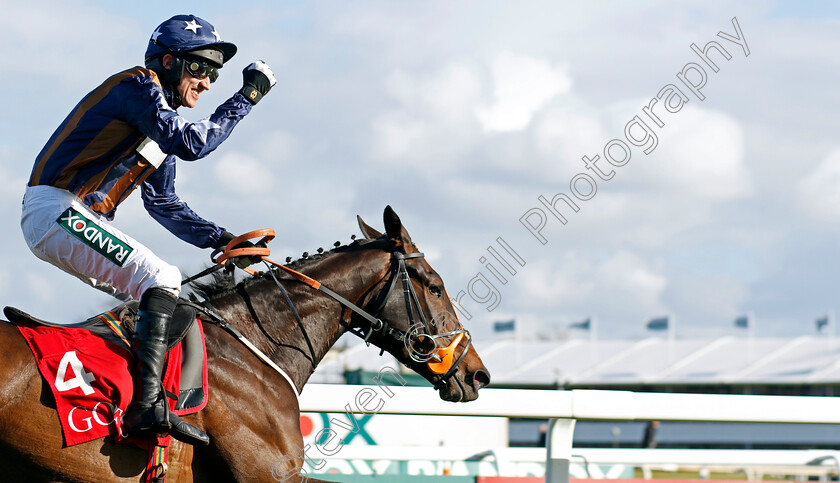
(192,25)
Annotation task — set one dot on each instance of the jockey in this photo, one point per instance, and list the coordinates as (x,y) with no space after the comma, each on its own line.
(124,134)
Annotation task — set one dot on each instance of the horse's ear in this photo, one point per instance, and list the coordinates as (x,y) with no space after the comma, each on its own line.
(394,227)
(367,230)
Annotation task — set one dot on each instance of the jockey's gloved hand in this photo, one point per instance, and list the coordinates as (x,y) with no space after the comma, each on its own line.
(258,80)
(243,261)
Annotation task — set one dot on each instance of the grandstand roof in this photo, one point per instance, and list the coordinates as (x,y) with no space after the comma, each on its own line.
(651,361)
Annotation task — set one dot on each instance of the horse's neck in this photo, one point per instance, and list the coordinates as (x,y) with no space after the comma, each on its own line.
(260,311)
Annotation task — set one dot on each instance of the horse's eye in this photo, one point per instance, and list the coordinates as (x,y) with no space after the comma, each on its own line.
(435,290)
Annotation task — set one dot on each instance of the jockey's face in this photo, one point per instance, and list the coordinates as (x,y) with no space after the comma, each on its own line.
(190,88)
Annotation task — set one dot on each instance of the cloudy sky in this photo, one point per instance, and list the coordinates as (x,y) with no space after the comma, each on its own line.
(461,115)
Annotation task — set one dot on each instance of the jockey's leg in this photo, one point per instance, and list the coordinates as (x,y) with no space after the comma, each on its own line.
(149,411)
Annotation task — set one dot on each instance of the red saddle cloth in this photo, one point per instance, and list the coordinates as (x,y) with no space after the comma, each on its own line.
(90,377)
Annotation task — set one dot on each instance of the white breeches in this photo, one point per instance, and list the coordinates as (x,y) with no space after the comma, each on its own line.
(63,231)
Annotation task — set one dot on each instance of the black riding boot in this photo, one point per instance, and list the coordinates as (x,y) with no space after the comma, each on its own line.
(149,411)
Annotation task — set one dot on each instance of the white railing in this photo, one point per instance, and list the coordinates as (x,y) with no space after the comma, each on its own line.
(563,408)
(588,462)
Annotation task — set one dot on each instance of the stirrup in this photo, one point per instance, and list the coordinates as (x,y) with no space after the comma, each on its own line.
(142,419)
(186,432)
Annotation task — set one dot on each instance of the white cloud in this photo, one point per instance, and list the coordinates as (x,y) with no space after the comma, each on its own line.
(397,135)
(562,136)
(448,95)
(697,164)
(485,201)
(444,115)
(521,86)
(242,174)
(567,133)
(701,153)
(277,148)
(557,284)
(433,122)
(629,281)
(622,283)
(819,191)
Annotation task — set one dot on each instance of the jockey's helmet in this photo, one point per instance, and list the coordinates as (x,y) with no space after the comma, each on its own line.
(186,37)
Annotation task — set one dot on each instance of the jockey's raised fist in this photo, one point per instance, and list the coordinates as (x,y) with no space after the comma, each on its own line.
(258,80)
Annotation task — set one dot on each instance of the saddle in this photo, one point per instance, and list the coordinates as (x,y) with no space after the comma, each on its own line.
(117,324)
(71,357)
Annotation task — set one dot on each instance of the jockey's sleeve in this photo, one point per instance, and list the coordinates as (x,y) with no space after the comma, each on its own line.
(161,201)
(147,109)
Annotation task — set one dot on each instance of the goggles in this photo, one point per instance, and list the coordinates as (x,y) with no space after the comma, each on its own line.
(201,70)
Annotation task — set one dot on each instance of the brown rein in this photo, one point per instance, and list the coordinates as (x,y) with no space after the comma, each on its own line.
(442,361)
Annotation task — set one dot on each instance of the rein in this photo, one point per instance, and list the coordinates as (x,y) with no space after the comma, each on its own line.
(215,318)
(439,360)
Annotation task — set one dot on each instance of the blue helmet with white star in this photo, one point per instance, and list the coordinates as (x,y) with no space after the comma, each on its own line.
(188,33)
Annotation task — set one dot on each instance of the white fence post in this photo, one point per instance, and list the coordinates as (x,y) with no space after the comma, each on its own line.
(559,450)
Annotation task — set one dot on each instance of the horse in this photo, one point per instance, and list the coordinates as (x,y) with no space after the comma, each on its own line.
(252,416)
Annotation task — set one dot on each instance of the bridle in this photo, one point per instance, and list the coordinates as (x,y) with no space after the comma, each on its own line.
(440,360)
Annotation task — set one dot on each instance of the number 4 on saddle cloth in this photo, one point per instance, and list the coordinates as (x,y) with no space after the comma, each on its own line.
(87,368)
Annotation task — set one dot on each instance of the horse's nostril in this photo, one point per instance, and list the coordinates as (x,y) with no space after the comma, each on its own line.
(481,378)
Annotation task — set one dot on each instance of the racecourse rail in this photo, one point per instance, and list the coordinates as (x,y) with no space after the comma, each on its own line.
(563,408)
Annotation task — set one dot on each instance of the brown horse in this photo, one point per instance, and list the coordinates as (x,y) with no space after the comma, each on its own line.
(252,416)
